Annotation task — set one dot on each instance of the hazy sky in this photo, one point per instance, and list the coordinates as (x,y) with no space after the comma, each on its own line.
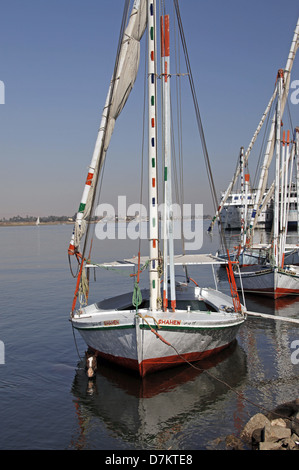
(57,58)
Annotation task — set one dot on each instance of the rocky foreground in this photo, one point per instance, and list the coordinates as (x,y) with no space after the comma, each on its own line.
(276,430)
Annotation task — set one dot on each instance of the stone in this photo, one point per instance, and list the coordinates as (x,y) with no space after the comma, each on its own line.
(294,424)
(290,444)
(273,433)
(257,421)
(234,443)
(270,446)
(256,438)
(285,410)
(279,422)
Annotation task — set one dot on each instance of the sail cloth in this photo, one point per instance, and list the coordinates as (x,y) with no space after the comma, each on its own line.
(127,64)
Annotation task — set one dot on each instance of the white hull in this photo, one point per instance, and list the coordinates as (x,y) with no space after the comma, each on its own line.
(293,220)
(231,216)
(257,256)
(292,257)
(150,341)
(272,282)
(246,258)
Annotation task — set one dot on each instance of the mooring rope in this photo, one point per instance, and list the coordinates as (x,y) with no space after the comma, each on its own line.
(294,420)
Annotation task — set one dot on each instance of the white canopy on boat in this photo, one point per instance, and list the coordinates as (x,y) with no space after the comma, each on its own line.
(179,260)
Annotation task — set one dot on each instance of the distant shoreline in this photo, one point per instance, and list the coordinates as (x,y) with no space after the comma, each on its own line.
(65,222)
(33,224)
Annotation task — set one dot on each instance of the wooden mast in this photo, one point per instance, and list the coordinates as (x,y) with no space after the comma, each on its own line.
(277,171)
(152,152)
(168,210)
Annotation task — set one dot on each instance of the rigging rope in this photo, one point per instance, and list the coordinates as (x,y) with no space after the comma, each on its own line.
(199,121)
(196,367)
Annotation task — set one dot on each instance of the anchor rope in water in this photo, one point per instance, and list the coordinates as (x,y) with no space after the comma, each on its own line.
(75,341)
(137,299)
(294,420)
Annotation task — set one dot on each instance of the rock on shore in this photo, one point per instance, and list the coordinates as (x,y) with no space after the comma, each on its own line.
(276,430)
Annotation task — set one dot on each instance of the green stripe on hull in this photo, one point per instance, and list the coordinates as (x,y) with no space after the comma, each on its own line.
(161,327)
(96,328)
(188,328)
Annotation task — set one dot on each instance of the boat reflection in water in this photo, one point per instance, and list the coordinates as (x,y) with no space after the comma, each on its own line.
(285,306)
(148,413)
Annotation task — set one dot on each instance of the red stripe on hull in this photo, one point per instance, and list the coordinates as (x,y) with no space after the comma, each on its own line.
(149,366)
(131,364)
(152,365)
(280,292)
(283,292)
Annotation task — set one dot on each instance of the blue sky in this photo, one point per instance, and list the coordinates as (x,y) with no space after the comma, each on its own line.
(57,58)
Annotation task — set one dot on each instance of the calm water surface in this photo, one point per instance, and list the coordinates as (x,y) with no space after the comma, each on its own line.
(46,402)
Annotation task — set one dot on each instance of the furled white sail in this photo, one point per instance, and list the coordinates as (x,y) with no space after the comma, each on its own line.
(271,141)
(120,87)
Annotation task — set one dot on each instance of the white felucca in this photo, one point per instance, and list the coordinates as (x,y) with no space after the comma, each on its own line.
(175,322)
(275,278)
(259,212)
(260,196)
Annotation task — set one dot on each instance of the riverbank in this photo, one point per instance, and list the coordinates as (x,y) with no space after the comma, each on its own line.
(23,224)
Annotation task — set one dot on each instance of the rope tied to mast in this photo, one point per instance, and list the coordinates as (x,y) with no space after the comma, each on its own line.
(137,296)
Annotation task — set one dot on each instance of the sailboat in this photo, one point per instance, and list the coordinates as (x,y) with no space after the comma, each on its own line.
(260,199)
(247,215)
(275,278)
(169,322)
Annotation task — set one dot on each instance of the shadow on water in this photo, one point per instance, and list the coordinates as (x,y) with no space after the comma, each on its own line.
(149,413)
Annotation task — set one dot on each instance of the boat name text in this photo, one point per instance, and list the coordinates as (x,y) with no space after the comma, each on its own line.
(169,322)
(111,322)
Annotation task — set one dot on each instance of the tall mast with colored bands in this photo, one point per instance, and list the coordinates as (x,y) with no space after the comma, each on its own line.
(152,151)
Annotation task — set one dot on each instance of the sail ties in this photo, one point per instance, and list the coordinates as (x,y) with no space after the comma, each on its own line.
(137,296)
(233,287)
(77,286)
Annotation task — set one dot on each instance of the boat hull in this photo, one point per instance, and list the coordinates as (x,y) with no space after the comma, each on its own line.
(174,345)
(250,257)
(231,217)
(271,282)
(150,341)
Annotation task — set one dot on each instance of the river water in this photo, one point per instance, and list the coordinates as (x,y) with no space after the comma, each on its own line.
(46,401)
